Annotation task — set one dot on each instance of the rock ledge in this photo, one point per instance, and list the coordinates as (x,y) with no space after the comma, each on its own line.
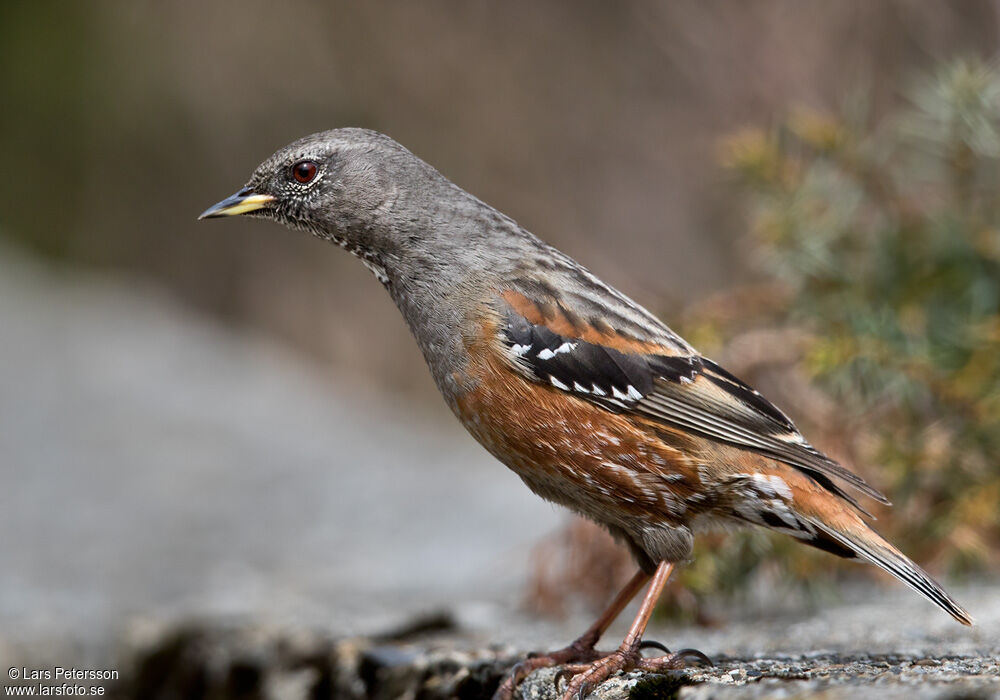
(204,660)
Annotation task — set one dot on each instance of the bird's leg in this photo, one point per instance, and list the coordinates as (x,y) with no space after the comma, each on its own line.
(629,655)
(580,651)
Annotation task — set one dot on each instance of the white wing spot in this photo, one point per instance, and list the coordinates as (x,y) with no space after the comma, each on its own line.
(579,387)
(630,393)
(599,391)
(565,347)
(546,354)
(521,350)
(558,384)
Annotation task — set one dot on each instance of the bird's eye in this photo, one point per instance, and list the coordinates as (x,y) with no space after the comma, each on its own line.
(304,171)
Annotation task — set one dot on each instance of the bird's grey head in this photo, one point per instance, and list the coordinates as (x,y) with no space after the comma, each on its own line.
(355,187)
(428,241)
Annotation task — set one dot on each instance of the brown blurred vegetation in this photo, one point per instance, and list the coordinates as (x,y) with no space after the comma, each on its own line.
(596,125)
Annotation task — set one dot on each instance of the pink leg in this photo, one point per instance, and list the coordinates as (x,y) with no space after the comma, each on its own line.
(582,650)
(628,656)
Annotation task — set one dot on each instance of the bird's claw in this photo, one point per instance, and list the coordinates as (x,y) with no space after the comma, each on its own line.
(696,655)
(587,676)
(576,656)
(652,644)
(672,662)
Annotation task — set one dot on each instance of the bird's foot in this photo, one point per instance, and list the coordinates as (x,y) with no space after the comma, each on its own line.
(628,657)
(579,652)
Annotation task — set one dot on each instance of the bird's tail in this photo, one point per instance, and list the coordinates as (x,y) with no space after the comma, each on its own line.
(871,547)
(792,503)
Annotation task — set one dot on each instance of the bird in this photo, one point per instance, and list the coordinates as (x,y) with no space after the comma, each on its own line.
(589,398)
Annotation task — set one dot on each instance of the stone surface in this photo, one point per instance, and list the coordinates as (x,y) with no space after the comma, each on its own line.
(432,661)
(882,647)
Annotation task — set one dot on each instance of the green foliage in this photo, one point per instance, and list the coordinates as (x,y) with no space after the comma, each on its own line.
(888,241)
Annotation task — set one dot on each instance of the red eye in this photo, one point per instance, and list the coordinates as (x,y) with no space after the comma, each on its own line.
(304,171)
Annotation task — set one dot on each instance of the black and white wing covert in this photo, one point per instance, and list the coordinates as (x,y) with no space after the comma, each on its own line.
(685,391)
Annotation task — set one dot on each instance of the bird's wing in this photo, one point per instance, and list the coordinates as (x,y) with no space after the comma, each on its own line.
(662,381)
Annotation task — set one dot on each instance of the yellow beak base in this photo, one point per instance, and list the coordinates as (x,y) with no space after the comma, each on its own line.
(243,202)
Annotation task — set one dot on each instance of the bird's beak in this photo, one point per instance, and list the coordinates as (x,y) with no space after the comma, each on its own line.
(243,202)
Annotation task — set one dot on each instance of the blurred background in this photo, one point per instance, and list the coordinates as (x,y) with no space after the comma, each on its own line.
(226,417)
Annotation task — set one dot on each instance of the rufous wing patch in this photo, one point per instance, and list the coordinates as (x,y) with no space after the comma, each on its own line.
(562,321)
